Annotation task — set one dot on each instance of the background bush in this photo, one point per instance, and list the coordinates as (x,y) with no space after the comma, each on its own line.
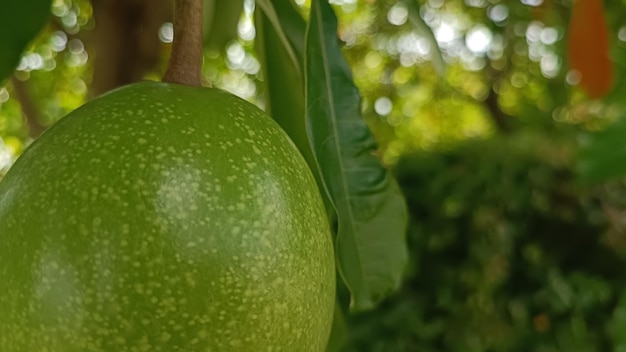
(509,253)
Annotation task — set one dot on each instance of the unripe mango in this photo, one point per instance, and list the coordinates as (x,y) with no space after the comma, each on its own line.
(160,217)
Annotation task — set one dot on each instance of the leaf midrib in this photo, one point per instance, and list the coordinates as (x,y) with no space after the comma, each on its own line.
(331,99)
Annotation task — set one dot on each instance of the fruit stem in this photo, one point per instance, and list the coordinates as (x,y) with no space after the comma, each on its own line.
(185,63)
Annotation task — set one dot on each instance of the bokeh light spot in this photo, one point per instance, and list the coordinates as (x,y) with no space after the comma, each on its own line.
(398,14)
(383,106)
(549,36)
(478,39)
(499,13)
(166,32)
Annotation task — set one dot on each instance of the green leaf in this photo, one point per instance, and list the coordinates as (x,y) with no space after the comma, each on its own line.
(20,22)
(372,215)
(435,52)
(221,19)
(284,82)
(603,154)
(292,25)
(290,41)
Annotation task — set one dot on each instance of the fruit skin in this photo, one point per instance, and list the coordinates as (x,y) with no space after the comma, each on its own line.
(161,217)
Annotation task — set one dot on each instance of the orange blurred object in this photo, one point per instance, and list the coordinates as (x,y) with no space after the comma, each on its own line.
(588,47)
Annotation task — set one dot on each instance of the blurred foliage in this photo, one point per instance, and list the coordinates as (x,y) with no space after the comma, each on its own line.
(602,153)
(508,254)
(506,67)
(508,251)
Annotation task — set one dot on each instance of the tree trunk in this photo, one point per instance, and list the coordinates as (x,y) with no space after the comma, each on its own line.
(126,40)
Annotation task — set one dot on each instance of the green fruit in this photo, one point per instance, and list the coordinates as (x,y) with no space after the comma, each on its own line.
(161,217)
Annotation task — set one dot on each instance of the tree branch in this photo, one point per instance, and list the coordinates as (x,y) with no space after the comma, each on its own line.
(30,111)
(500,119)
(125,41)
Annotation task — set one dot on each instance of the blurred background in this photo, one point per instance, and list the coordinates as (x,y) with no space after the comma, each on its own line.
(512,162)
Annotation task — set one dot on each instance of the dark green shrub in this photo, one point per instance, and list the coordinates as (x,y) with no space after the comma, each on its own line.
(508,253)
